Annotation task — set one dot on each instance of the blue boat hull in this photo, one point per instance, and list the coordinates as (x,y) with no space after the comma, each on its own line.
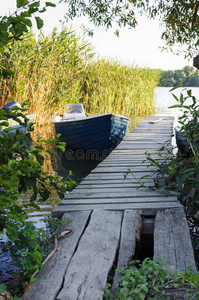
(98,134)
(182,142)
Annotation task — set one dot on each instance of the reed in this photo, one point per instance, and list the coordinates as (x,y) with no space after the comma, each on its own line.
(113,87)
(60,68)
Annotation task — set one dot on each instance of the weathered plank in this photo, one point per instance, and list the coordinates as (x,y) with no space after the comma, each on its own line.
(119,169)
(149,207)
(108,185)
(153,129)
(103,200)
(140,146)
(87,190)
(131,227)
(113,180)
(133,193)
(123,175)
(50,279)
(122,163)
(127,162)
(172,239)
(87,273)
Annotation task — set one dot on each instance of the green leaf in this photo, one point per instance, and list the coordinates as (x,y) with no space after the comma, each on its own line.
(174,88)
(61,147)
(39,22)
(40,159)
(21,3)
(61,195)
(33,197)
(2,288)
(189,92)
(175,106)
(192,193)
(34,4)
(50,4)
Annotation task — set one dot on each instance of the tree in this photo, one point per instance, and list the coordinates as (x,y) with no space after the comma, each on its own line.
(14,26)
(179,17)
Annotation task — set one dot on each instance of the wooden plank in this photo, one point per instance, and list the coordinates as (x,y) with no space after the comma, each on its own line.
(114,180)
(148,206)
(87,273)
(138,152)
(140,146)
(112,161)
(106,200)
(133,193)
(50,279)
(130,233)
(172,239)
(147,129)
(162,125)
(121,169)
(87,190)
(101,185)
(147,139)
(123,175)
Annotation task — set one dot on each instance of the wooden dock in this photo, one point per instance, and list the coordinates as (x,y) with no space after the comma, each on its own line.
(109,215)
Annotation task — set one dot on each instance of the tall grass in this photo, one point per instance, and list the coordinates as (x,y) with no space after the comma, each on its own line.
(113,87)
(59,69)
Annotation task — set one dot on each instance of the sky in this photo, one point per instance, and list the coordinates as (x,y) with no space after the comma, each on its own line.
(139,46)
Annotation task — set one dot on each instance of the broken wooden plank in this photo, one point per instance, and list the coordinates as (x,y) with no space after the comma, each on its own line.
(50,279)
(130,233)
(87,273)
(172,239)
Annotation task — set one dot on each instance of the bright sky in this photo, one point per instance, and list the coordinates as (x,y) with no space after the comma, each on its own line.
(139,46)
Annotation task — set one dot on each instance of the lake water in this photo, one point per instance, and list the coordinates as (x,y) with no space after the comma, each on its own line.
(80,168)
(164,99)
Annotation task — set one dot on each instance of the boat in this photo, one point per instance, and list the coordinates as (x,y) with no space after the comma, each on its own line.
(98,134)
(14,125)
(182,142)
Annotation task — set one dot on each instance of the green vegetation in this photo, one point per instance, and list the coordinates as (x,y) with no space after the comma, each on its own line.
(60,68)
(21,171)
(188,76)
(150,279)
(14,26)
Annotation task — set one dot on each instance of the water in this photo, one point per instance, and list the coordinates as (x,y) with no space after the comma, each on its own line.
(163,99)
(81,168)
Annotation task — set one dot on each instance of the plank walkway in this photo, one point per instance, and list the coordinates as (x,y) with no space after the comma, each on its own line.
(109,186)
(108,215)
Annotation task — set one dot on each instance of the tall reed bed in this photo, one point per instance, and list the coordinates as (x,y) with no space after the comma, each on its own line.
(60,68)
(113,87)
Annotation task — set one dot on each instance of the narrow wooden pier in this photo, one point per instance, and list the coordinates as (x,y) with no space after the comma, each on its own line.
(108,215)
